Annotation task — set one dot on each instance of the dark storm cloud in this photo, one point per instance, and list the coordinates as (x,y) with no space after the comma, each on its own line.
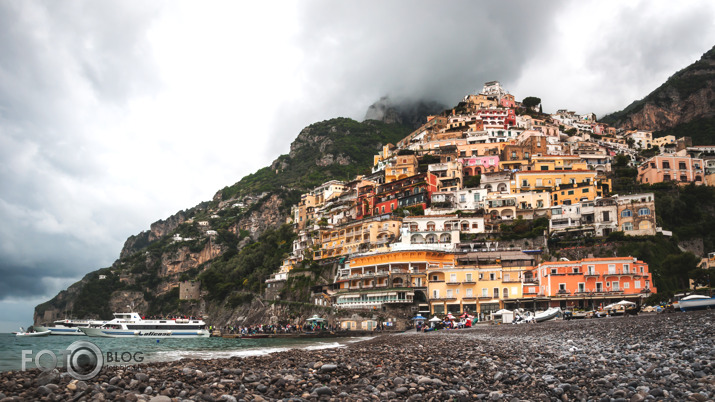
(61,63)
(356,52)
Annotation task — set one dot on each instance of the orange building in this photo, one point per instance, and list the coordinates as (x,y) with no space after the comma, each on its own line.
(592,282)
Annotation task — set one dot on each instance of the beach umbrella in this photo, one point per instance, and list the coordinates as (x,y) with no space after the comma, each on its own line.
(625,303)
(434,319)
(418,317)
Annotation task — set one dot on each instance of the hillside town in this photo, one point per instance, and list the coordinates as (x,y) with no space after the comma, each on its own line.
(456,217)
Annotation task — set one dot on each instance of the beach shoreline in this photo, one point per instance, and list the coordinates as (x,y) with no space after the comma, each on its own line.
(648,357)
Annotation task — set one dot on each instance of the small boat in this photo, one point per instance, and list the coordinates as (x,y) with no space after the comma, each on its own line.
(696,302)
(549,314)
(23,333)
(132,325)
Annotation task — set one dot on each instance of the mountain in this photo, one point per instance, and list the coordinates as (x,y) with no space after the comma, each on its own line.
(687,97)
(250,238)
(410,113)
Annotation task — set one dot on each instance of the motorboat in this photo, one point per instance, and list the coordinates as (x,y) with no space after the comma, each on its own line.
(23,333)
(132,325)
(68,327)
(549,314)
(696,302)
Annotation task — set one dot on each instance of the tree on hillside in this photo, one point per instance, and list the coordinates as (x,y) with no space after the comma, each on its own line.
(531,102)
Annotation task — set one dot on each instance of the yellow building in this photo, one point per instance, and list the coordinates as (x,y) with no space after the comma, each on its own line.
(402,167)
(575,184)
(399,277)
(557,162)
(356,237)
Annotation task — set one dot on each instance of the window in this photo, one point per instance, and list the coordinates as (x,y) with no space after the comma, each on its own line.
(492,276)
(506,277)
(611,268)
(453,277)
(505,293)
(576,270)
(554,271)
(626,268)
(627,226)
(581,287)
(485,292)
(606,217)
(666,177)
(449,293)
(468,277)
(585,190)
(626,285)
(496,293)
(683,177)
(666,165)
(637,284)
(539,182)
(681,166)
(525,183)
(615,286)
(435,278)
(469,293)
(591,270)
(626,213)
(435,294)
(562,287)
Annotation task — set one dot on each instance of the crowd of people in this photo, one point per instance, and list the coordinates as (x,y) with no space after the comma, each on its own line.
(273,329)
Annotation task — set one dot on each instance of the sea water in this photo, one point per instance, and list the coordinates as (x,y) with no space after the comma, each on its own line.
(143,350)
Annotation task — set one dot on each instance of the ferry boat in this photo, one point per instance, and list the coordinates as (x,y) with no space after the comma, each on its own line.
(68,327)
(132,325)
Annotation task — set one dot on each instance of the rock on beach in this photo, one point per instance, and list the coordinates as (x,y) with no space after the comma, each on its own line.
(648,357)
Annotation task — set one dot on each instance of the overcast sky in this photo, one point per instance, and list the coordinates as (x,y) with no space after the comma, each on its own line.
(115,114)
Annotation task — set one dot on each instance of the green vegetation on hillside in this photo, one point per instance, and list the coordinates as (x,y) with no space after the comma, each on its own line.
(246,270)
(702,131)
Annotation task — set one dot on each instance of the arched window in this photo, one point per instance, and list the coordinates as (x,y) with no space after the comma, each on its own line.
(417,239)
(626,213)
(431,239)
(445,238)
(430,226)
(627,226)
(505,293)
(643,211)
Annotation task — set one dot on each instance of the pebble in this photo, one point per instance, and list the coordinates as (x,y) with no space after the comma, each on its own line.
(642,358)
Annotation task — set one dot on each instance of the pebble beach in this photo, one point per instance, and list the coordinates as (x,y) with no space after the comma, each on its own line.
(668,357)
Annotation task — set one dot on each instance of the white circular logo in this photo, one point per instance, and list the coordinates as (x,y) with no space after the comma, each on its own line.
(84,360)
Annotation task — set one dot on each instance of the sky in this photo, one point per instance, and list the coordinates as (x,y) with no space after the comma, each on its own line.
(116,114)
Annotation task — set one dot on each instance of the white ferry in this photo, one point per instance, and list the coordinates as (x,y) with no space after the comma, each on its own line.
(68,327)
(132,325)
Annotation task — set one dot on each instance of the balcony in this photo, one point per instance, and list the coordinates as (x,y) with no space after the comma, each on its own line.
(453,283)
(469,283)
(469,298)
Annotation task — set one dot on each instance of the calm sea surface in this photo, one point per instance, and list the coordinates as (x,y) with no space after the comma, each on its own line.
(11,348)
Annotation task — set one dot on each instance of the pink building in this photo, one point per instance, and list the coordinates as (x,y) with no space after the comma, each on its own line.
(662,168)
(480,164)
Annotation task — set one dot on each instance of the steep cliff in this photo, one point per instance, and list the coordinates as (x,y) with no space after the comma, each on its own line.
(687,96)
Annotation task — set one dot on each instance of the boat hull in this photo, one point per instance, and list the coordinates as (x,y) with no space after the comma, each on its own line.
(147,333)
(547,315)
(62,331)
(32,334)
(697,304)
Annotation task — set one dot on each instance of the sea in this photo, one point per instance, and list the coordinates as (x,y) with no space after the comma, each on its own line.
(130,351)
